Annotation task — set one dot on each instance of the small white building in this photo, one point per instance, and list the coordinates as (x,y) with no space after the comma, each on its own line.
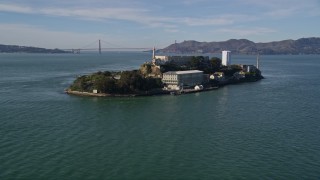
(226,58)
(198,87)
(217,76)
(249,68)
(177,79)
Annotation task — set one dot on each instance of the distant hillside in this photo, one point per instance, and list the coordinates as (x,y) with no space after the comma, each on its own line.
(26,49)
(244,46)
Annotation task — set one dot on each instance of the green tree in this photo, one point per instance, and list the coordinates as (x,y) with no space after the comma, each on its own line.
(130,81)
(169,67)
(215,63)
(107,73)
(110,85)
(100,83)
(82,83)
(195,62)
(151,83)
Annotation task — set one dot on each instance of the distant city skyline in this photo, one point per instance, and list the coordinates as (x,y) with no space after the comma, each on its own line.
(143,23)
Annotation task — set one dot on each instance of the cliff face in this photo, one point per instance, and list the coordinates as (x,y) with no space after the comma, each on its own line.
(244,46)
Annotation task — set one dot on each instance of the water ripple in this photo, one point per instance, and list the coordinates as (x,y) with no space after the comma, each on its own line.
(263,130)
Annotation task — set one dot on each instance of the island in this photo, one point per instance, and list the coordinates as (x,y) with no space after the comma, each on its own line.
(167,75)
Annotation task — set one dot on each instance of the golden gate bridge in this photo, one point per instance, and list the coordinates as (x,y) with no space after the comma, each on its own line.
(99,48)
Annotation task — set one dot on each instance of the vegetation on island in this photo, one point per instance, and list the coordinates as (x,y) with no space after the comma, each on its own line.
(196,63)
(126,82)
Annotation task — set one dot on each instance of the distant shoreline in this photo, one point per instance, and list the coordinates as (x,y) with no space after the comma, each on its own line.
(246,47)
(302,46)
(28,49)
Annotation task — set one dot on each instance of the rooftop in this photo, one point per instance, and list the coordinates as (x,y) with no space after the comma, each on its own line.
(184,72)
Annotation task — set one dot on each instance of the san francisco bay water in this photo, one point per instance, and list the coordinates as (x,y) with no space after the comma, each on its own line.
(264,130)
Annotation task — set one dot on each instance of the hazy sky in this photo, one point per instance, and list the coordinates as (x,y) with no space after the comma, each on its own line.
(148,23)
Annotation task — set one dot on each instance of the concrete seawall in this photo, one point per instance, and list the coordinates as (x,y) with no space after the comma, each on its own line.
(79,93)
(152,93)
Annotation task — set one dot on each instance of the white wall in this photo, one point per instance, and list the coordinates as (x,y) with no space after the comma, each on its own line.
(226,58)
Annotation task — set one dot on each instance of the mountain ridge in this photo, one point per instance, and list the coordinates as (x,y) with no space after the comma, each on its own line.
(309,45)
(27,49)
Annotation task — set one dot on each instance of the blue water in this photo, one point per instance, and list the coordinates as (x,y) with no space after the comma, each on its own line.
(264,130)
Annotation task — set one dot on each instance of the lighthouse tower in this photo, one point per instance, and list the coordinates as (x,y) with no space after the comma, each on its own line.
(153,55)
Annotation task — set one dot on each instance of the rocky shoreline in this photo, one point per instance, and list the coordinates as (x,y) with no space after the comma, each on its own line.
(81,93)
(164,92)
(149,93)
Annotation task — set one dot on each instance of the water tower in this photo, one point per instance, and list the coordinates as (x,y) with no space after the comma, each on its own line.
(226,58)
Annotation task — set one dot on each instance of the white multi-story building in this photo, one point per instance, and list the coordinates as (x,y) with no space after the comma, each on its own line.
(226,58)
(177,79)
